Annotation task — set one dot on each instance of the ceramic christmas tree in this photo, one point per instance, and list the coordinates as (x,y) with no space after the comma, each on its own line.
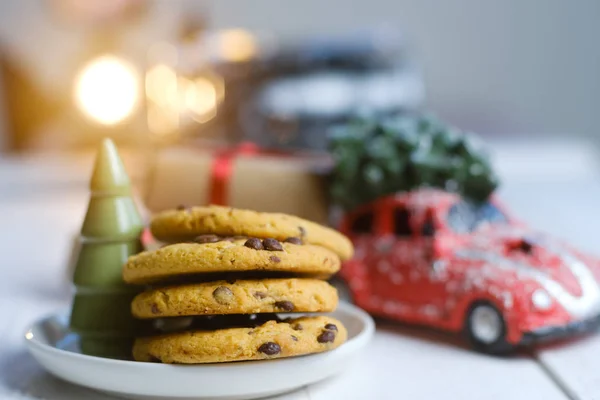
(109,235)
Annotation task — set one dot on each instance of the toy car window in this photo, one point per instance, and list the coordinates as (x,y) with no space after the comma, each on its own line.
(402,222)
(465,217)
(461,218)
(488,212)
(363,223)
(428,228)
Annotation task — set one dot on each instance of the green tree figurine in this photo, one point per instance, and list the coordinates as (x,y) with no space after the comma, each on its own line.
(374,158)
(110,234)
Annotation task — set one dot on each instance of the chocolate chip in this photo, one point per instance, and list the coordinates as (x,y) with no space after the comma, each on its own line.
(207,239)
(223,295)
(181,207)
(326,337)
(154,309)
(230,281)
(260,295)
(254,243)
(275,259)
(302,231)
(269,348)
(285,305)
(297,327)
(294,338)
(293,240)
(331,327)
(272,245)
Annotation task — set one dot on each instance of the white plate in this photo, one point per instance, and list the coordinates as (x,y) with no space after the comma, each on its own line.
(51,343)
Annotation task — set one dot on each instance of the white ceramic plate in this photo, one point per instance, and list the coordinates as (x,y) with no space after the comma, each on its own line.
(55,348)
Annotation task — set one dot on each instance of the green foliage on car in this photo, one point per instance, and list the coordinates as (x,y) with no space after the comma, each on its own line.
(375,158)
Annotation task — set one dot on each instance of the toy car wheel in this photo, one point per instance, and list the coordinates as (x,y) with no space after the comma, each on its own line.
(486,329)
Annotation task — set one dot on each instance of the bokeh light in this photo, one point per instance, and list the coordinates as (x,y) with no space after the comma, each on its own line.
(200,97)
(107,90)
(237,45)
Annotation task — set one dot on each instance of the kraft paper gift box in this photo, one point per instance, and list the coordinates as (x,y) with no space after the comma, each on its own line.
(255,179)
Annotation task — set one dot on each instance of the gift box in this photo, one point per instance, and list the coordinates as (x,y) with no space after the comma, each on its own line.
(241,176)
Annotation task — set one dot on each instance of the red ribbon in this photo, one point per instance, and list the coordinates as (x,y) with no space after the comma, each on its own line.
(222,169)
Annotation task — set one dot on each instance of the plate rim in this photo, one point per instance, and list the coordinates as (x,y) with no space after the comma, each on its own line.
(364,335)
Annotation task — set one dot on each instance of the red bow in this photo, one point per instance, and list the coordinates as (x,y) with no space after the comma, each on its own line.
(222,169)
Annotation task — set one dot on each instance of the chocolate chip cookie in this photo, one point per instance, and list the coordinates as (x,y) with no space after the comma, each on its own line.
(239,297)
(230,256)
(273,339)
(183,224)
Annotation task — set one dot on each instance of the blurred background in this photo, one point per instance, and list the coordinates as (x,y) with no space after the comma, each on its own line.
(187,83)
(279,73)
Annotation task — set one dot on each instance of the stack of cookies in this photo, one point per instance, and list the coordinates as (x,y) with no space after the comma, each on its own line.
(224,277)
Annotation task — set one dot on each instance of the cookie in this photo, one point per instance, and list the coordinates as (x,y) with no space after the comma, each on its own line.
(183,224)
(239,297)
(273,339)
(230,257)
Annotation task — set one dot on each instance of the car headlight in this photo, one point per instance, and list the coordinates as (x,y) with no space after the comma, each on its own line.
(541,300)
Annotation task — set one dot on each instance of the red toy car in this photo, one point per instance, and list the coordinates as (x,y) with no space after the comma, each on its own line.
(429,257)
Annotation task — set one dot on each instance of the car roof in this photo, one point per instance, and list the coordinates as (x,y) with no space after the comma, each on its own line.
(427,198)
(421,198)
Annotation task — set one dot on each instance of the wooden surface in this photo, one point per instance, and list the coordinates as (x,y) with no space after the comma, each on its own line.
(554,186)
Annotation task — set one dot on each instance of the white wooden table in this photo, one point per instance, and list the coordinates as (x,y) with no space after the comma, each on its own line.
(555,186)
